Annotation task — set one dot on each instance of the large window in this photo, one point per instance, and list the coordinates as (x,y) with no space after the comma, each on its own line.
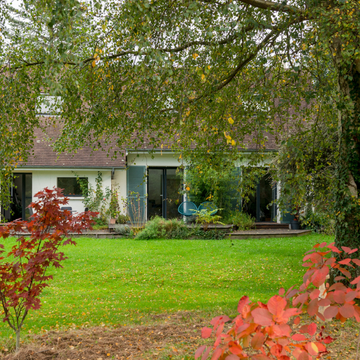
(70,185)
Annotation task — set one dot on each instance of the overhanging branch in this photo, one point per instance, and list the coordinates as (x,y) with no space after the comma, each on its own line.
(269,5)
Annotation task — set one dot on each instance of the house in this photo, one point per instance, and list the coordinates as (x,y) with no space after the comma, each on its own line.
(147,180)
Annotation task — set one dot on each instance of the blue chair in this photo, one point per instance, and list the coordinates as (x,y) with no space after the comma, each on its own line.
(187,208)
(208,205)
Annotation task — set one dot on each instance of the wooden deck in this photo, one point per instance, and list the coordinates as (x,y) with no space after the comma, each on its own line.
(267,233)
(262,231)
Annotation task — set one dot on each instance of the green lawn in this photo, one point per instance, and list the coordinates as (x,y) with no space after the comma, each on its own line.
(123,281)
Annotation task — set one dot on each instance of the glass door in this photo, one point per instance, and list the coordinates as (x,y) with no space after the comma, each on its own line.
(164,195)
(258,205)
(155,192)
(20,197)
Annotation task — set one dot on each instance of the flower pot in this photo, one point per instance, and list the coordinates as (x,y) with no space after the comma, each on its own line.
(295,225)
(112,221)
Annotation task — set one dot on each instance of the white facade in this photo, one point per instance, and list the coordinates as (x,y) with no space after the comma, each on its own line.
(47,177)
(162,159)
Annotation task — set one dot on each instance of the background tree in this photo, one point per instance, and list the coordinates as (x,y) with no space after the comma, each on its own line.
(220,73)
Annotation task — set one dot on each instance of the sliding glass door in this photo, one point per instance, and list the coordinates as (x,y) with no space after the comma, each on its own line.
(164,192)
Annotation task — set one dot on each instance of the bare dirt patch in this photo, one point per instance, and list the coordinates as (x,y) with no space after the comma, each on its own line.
(175,336)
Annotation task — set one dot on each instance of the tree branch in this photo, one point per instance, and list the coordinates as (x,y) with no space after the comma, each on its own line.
(269,5)
(247,60)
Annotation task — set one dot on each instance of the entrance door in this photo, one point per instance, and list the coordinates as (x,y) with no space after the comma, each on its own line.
(20,198)
(259,204)
(164,196)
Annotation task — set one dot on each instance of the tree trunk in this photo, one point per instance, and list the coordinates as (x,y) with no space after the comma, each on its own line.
(347,209)
(17,340)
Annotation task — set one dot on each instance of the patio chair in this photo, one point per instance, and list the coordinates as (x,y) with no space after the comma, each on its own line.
(208,205)
(187,208)
(66,208)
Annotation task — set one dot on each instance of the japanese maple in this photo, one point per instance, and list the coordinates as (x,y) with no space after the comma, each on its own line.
(23,270)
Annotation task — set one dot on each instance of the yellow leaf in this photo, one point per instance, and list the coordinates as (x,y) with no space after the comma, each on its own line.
(195,56)
(230,120)
(93,63)
(233,142)
(228,137)
(202,77)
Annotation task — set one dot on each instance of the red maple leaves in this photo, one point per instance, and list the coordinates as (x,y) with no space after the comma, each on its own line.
(23,276)
(262,331)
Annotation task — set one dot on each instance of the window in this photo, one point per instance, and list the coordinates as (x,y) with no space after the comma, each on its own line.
(70,185)
(47,105)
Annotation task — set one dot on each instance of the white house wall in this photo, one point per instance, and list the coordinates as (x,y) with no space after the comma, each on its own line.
(161,160)
(42,178)
(119,184)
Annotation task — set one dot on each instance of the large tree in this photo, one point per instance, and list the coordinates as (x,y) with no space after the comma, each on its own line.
(207,74)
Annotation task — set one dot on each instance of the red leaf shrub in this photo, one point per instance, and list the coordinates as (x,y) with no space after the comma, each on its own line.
(23,270)
(262,331)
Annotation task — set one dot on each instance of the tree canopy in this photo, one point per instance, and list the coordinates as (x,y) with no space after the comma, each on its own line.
(217,76)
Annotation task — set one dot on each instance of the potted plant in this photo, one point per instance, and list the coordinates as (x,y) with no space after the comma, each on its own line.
(295,225)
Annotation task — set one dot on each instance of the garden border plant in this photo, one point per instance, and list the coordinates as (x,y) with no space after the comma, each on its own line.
(23,273)
(263,332)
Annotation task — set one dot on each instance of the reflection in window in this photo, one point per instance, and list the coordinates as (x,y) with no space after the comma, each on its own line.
(70,185)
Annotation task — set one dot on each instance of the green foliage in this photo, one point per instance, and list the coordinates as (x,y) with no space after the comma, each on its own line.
(103,201)
(122,219)
(241,220)
(218,183)
(213,234)
(317,221)
(305,167)
(206,217)
(100,223)
(122,229)
(228,76)
(160,228)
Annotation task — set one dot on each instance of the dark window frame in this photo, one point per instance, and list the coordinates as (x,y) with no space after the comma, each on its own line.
(76,186)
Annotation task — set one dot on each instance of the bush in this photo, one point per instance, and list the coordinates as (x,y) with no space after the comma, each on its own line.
(207,234)
(101,222)
(242,221)
(318,222)
(160,228)
(206,217)
(122,219)
(276,330)
(122,229)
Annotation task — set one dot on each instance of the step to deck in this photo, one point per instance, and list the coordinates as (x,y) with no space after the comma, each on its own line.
(270,225)
(266,234)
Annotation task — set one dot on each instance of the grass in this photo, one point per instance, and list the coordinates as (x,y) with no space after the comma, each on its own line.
(117,282)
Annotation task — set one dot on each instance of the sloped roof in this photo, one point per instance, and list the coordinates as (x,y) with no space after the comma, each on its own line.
(43,154)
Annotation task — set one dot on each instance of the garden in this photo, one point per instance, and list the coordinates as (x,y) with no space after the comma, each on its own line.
(117,283)
(99,297)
